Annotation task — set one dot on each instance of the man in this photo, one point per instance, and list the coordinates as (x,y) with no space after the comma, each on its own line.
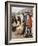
(29,24)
